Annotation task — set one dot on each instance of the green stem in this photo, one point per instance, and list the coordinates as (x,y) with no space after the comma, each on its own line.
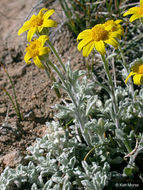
(15,97)
(78,115)
(131,87)
(56,54)
(13,104)
(98,146)
(62,79)
(112,94)
(123,58)
(51,76)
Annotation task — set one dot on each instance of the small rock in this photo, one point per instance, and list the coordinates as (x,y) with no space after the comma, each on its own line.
(11,159)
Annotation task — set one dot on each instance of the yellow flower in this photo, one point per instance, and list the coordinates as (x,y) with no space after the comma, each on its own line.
(35,50)
(37,23)
(96,37)
(114,26)
(137,73)
(136,11)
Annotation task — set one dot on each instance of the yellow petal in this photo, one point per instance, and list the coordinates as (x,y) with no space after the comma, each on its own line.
(118,21)
(141,2)
(138,79)
(83,43)
(30,34)
(33,17)
(118,34)
(24,28)
(48,13)
(100,47)
(87,49)
(43,39)
(84,34)
(112,42)
(49,23)
(44,50)
(38,63)
(130,74)
(27,57)
(115,34)
(40,28)
(108,25)
(40,14)
(134,17)
(131,11)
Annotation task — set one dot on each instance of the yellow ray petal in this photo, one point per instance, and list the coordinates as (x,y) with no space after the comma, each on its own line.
(49,23)
(118,21)
(38,63)
(134,17)
(114,34)
(40,14)
(30,34)
(132,10)
(24,28)
(84,34)
(27,57)
(141,2)
(87,49)
(138,79)
(44,50)
(48,13)
(100,47)
(112,42)
(43,39)
(108,25)
(40,28)
(83,43)
(130,74)
(33,17)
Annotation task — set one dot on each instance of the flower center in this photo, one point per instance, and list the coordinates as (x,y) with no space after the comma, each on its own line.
(140,71)
(36,21)
(33,48)
(99,33)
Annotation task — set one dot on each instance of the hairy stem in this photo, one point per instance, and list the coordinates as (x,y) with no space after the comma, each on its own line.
(71,94)
(112,94)
(56,54)
(131,87)
(51,76)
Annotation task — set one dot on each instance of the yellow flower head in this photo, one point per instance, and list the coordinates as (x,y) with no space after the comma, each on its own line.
(137,12)
(96,37)
(137,73)
(114,26)
(35,50)
(37,23)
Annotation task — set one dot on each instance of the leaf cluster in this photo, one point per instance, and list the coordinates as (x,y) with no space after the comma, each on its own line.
(62,159)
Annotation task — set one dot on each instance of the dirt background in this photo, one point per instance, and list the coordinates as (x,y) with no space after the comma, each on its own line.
(33,88)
